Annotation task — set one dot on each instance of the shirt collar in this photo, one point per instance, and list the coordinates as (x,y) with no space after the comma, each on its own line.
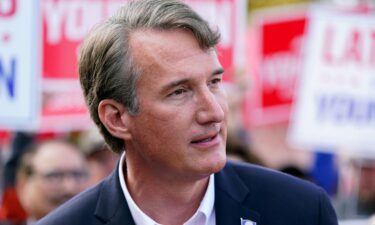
(206,206)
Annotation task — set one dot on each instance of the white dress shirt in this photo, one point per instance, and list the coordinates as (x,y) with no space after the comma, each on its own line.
(205,215)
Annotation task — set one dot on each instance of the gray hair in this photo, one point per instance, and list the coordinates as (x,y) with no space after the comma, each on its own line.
(106,67)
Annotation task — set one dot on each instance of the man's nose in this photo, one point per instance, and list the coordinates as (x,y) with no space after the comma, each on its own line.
(209,108)
(69,185)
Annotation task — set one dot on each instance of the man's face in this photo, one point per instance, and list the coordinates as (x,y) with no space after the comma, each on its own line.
(181,129)
(59,173)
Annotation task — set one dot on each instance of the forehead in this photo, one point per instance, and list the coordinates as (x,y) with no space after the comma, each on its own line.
(168,49)
(57,155)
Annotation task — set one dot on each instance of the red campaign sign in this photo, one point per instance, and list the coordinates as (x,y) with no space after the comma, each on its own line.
(226,60)
(64,111)
(65,24)
(279,80)
(275,54)
(60,59)
(5,138)
(224,15)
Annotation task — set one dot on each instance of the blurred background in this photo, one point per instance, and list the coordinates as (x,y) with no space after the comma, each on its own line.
(300,78)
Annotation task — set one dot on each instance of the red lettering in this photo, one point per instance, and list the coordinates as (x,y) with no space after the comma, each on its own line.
(353,52)
(7,8)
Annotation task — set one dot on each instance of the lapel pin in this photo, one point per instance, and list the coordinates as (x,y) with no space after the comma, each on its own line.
(247,222)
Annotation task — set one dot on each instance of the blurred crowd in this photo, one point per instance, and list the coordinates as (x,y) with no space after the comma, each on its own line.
(43,171)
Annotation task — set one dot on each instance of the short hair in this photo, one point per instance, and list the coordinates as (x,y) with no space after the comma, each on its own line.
(106,67)
(25,167)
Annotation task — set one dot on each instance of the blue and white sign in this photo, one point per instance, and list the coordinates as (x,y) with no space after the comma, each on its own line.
(19,64)
(335,104)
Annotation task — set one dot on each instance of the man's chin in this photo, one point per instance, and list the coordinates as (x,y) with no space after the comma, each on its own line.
(216,165)
(220,165)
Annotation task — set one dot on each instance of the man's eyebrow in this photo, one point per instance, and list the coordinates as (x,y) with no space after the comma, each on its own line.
(175,84)
(218,72)
(184,80)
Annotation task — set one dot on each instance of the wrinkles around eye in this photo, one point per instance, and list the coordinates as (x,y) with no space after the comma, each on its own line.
(178,93)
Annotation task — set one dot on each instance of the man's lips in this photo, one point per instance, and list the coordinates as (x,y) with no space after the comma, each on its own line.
(208,137)
(204,138)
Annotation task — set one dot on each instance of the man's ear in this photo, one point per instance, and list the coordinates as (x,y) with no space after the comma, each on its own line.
(114,117)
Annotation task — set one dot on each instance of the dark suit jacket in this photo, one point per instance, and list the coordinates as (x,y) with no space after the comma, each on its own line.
(241,191)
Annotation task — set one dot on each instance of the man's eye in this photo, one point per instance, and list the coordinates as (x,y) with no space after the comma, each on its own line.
(215,82)
(178,92)
(54,175)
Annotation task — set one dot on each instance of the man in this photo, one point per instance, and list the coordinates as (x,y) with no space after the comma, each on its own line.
(49,174)
(152,80)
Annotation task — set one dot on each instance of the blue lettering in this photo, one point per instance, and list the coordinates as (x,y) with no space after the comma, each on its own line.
(322,107)
(8,77)
(371,111)
(341,109)
(359,111)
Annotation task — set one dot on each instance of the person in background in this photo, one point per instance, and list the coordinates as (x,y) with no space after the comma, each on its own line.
(153,83)
(100,160)
(366,187)
(358,199)
(49,173)
(238,145)
(11,211)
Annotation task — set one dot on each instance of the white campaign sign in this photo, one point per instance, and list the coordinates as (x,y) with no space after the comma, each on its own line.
(335,104)
(19,64)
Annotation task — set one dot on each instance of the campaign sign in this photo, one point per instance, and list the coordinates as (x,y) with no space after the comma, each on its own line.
(335,107)
(274,54)
(65,23)
(64,111)
(229,17)
(19,64)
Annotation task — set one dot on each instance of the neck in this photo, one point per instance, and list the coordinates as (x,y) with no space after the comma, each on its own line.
(165,200)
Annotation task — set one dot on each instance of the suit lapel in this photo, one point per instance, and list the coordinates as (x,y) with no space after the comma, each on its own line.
(230,198)
(112,207)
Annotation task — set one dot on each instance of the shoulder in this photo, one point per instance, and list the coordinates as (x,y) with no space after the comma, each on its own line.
(78,210)
(276,195)
(256,177)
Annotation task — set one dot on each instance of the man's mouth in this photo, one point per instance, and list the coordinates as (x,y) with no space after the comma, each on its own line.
(204,140)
